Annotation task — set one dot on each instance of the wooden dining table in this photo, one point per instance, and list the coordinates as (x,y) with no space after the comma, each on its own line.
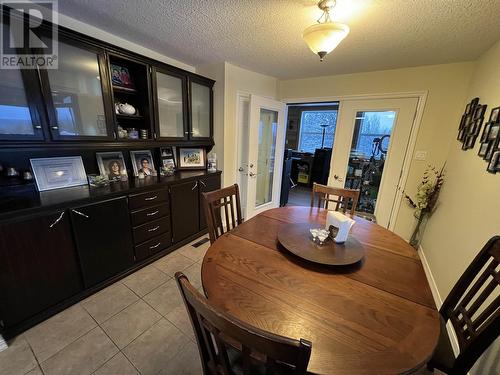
(374,317)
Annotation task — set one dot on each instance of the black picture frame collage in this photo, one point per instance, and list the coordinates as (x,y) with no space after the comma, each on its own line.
(471,124)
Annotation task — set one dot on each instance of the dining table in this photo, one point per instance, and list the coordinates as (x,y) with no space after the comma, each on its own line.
(374,317)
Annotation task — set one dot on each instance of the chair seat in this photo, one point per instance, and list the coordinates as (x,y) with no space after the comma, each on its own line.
(443,358)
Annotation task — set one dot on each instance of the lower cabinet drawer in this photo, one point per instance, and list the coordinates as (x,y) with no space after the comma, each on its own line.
(152,246)
(152,213)
(151,229)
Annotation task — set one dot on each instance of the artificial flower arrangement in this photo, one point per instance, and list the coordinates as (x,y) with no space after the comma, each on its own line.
(425,202)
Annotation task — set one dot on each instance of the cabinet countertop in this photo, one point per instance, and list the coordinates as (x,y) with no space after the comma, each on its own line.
(26,200)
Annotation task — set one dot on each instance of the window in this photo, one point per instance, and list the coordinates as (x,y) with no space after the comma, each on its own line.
(368,127)
(312,125)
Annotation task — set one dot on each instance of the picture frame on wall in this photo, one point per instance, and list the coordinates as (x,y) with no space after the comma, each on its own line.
(112,165)
(482,150)
(142,162)
(59,172)
(494,115)
(486,129)
(494,164)
(191,158)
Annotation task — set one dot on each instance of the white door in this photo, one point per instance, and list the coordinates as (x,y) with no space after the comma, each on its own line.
(393,120)
(260,153)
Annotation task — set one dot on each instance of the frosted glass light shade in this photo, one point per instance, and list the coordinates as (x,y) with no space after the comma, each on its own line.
(322,38)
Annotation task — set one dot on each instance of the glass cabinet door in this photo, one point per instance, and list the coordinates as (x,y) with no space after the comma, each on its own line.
(78,109)
(201,110)
(170,117)
(19,119)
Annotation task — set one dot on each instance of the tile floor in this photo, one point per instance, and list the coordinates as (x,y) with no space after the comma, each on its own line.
(136,326)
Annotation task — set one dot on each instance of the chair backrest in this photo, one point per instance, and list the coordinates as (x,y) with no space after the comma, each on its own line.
(215,201)
(340,197)
(473,305)
(220,337)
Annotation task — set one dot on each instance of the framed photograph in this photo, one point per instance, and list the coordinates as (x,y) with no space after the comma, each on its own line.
(142,162)
(482,150)
(494,115)
(494,165)
(167,154)
(56,173)
(479,111)
(492,147)
(112,165)
(120,76)
(484,134)
(469,143)
(191,158)
(493,132)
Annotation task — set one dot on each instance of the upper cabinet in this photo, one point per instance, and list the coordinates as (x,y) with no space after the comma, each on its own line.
(77,94)
(170,105)
(201,97)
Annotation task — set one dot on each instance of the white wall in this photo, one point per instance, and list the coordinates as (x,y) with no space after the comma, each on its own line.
(468,206)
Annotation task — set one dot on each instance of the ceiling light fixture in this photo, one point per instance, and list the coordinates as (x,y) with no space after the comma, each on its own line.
(323,37)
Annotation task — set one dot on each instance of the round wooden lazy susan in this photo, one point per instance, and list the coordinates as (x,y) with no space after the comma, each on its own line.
(297,240)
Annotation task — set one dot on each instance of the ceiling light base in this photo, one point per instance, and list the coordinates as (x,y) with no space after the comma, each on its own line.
(321,55)
(326,4)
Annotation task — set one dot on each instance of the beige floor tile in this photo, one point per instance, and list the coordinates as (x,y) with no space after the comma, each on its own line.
(130,323)
(165,298)
(194,274)
(145,280)
(17,358)
(172,263)
(118,365)
(180,318)
(153,350)
(108,302)
(35,371)
(50,336)
(195,253)
(186,362)
(83,356)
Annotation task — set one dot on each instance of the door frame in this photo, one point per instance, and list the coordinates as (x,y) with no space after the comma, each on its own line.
(422,99)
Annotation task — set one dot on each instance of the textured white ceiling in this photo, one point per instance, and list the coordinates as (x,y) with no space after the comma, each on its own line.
(265,35)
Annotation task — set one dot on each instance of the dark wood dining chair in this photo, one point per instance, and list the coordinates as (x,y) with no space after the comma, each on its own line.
(230,346)
(474,312)
(227,199)
(339,196)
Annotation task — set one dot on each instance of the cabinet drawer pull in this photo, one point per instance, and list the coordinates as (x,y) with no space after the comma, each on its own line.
(154,246)
(201,182)
(154,229)
(57,220)
(151,198)
(195,186)
(80,213)
(152,213)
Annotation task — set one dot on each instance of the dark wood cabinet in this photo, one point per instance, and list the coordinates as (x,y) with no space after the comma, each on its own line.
(38,266)
(185,210)
(206,184)
(103,237)
(200,108)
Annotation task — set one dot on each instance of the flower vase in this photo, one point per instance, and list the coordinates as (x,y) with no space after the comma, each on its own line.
(415,237)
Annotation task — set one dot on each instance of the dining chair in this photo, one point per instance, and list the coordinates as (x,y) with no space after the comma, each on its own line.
(341,197)
(473,308)
(230,346)
(225,200)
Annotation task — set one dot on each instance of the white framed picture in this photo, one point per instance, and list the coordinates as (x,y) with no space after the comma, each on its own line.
(142,162)
(191,158)
(112,165)
(60,172)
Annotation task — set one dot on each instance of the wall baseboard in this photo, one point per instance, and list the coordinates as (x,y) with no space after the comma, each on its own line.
(3,344)
(437,298)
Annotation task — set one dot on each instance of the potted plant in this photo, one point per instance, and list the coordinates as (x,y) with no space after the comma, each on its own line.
(426,199)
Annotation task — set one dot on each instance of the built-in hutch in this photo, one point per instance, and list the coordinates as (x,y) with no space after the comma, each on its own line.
(59,246)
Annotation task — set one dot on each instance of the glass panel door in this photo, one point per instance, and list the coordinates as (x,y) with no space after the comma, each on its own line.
(201,110)
(369,146)
(17,120)
(170,104)
(265,144)
(268,126)
(77,95)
